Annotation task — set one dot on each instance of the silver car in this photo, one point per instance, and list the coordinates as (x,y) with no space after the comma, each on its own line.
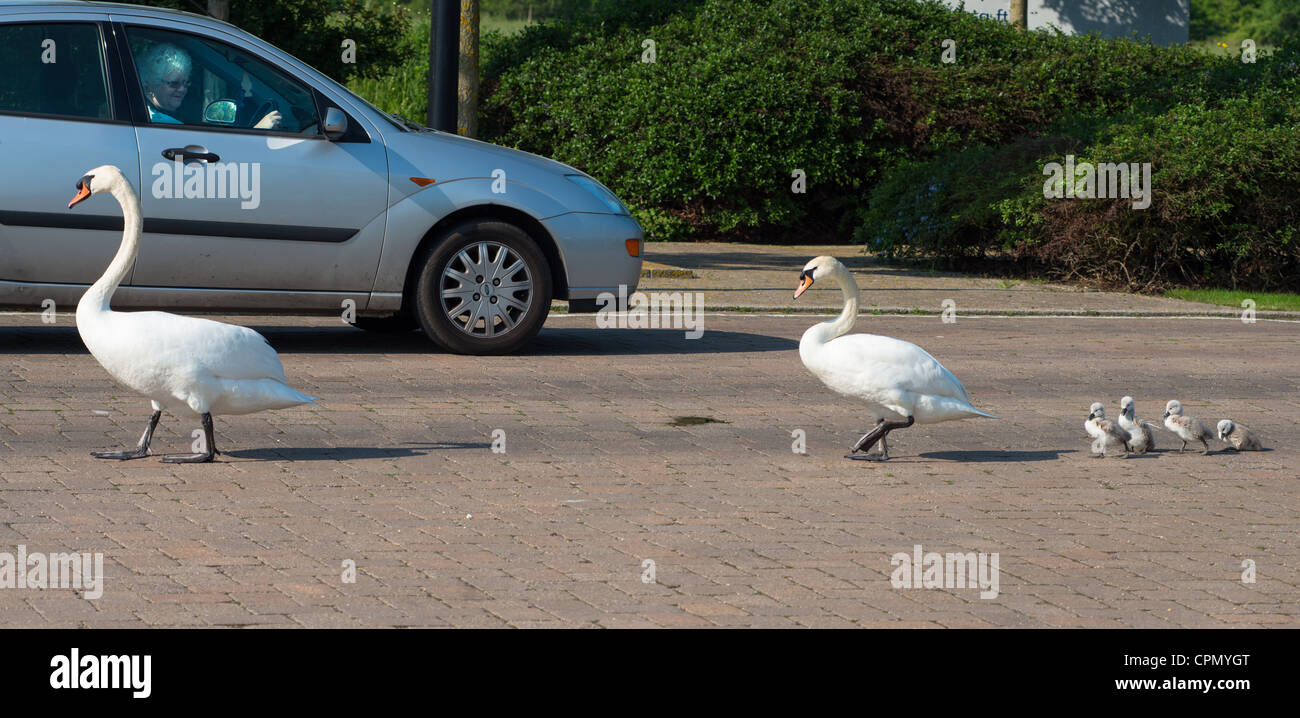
(267,187)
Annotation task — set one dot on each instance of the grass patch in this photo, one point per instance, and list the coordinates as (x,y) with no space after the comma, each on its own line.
(502,24)
(1273,301)
(669,273)
(1226,49)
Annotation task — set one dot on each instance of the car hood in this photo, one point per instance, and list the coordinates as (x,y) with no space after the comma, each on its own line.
(448,156)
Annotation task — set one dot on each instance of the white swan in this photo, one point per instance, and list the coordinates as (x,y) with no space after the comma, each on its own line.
(901,383)
(183,364)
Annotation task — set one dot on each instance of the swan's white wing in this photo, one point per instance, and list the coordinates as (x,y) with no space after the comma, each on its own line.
(225,351)
(869,361)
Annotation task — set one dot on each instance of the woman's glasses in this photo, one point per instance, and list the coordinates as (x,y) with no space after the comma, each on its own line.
(177,84)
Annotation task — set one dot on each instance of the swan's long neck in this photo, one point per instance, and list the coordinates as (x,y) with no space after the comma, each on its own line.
(101,292)
(819,334)
(844,322)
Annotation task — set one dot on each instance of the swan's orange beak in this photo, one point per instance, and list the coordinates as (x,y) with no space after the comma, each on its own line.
(805,282)
(83,192)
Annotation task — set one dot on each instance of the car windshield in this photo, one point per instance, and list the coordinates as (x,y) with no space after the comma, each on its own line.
(394,119)
(343,89)
(339,87)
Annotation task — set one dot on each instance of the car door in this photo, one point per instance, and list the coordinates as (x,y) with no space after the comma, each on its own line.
(62,112)
(237,202)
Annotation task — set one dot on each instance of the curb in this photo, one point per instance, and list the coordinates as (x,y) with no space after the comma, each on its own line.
(904,311)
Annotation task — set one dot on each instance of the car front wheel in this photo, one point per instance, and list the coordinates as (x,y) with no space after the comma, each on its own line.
(484,288)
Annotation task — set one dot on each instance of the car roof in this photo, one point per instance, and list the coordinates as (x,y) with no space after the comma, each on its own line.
(9,7)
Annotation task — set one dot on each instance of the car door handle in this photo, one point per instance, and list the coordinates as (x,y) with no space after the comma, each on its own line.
(187,154)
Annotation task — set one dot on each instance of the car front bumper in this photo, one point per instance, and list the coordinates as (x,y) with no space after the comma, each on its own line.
(594,251)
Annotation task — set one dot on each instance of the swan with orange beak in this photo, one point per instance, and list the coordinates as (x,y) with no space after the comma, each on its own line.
(900,382)
(187,365)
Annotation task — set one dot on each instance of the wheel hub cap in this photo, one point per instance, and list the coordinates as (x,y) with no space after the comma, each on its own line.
(486,289)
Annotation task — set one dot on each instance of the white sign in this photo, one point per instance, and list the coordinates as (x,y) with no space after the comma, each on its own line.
(1166,21)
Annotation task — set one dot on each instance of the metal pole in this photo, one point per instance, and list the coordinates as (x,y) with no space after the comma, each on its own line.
(443,34)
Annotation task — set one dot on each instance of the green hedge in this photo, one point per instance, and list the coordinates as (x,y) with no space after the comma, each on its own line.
(704,141)
(1224,207)
(901,151)
(1225,210)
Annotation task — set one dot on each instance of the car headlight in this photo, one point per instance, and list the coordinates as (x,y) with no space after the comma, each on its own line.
(600,192)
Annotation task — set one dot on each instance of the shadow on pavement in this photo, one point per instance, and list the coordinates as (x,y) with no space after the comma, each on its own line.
(283,338)
(1005,455)
(791,259)
(567,341)
(588,341)
(441,445)
(41,340)
(342,453)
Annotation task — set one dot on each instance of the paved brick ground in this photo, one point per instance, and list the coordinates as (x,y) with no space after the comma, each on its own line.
(394,471)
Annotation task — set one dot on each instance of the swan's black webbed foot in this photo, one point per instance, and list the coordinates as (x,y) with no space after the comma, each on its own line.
(199,458)
(140,451)
(136,453)
(870,438)
(187,458)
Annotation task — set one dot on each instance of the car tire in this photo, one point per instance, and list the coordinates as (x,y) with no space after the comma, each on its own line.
(484,287)
(396,324)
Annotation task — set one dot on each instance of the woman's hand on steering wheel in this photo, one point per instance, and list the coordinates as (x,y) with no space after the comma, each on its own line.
(270,120)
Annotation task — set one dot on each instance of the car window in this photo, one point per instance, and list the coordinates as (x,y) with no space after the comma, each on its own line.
(53,69)
(190,80)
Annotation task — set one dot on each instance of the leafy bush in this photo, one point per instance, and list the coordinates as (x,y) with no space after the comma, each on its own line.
(1225,211)
(911,155)
(1224,208)
(705,140)
(954,208)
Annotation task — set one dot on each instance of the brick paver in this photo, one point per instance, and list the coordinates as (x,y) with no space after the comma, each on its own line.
(394,470)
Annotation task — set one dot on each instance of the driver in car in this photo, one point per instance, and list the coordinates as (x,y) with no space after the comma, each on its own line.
(165,76)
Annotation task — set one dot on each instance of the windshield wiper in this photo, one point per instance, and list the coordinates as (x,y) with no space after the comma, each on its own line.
(409,124)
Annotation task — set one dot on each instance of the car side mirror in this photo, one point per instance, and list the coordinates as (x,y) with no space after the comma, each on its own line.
(221,112)
(336,124)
